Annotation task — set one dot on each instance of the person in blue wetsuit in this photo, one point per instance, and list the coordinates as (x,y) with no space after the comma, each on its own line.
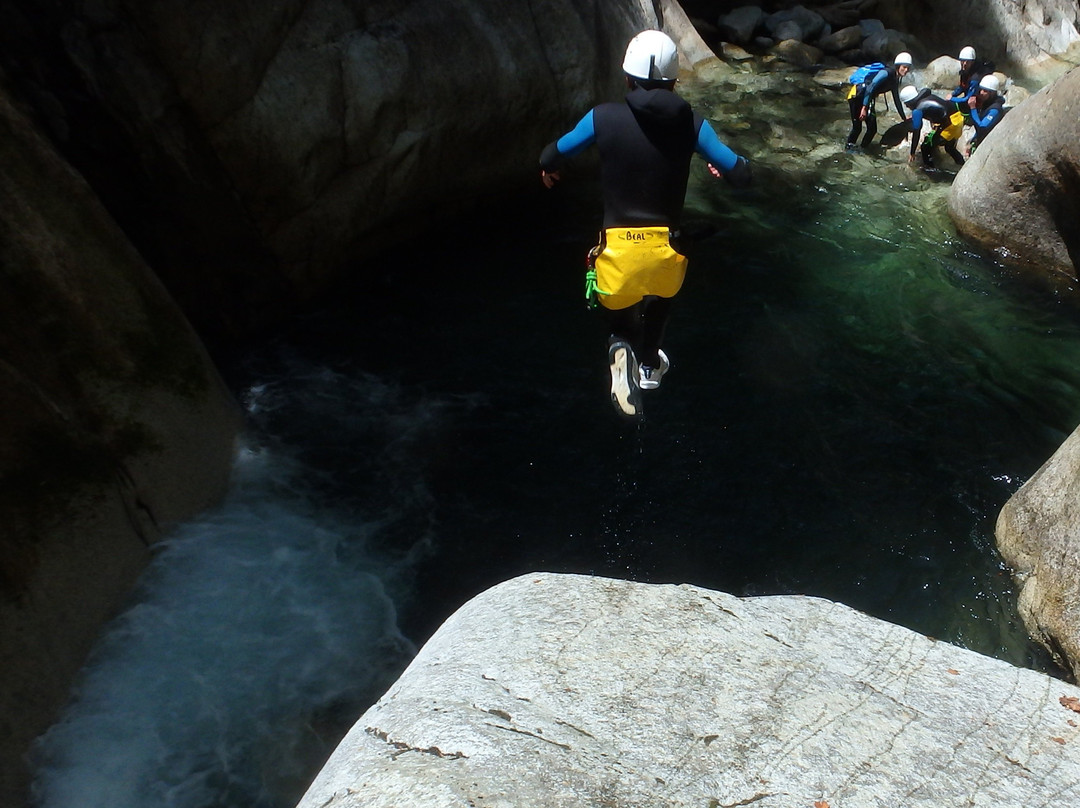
(987,109)
(645,144)
(969,77)
(944,130)
(862,97)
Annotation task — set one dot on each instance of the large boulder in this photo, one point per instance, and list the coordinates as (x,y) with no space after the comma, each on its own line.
(1038,533)
(561,690)
(1019,194)
(115,426)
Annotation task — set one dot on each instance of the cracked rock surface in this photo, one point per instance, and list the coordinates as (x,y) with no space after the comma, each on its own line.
(569,690)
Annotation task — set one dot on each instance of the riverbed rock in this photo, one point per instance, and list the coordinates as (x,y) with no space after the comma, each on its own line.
(797,53)
(1019,194)
(740,24)
(1038,534)
(565,690)
(798,23)
(842,40)
(114,426)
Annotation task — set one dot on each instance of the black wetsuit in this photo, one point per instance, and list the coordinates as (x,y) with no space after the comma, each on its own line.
(936,111)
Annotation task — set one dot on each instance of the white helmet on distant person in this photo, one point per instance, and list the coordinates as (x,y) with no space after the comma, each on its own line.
(903,58)
(967,54)
(908,93)
(990,82)
(652,56)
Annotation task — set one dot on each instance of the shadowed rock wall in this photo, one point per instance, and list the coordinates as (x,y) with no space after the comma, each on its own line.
(115,426)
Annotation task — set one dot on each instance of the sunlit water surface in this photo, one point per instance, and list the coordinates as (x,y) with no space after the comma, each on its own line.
(853,397)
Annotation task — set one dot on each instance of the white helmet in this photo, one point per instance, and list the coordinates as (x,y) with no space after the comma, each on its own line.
(651,55)
(990,82)
(967,54)
(903,58)
(908,93)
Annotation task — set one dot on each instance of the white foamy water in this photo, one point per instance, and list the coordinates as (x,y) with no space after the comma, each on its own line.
(260,630)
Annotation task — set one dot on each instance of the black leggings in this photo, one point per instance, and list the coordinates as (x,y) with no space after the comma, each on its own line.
(642,325)
(933,139)
(855,107)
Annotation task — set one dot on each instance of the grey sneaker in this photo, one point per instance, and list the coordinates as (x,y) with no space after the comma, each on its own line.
(625,394)
(649,377)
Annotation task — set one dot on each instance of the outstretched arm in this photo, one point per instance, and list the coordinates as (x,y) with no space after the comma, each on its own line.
(916,131)
(557,152)
(896,101)
(723,162)
(965,91)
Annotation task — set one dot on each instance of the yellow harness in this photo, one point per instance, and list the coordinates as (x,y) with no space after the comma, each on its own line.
(635,262)
(955,127)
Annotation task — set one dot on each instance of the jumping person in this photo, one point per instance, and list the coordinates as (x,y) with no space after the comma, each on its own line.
(645,144)
(987,108)
(863,95)
(944,131)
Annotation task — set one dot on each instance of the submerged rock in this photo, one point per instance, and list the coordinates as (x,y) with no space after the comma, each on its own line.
(565,690)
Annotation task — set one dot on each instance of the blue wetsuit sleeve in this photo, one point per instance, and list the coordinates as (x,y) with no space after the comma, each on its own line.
(916,128)
(961,94)
(573,142)
(987,120)
(579,138)
(871,86)
(713,149)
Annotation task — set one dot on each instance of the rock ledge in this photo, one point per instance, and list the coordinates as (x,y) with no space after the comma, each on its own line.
(566,690)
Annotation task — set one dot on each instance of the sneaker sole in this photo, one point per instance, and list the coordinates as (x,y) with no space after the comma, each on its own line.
(625,394)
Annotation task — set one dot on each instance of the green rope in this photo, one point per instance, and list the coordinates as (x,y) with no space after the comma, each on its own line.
(592,290)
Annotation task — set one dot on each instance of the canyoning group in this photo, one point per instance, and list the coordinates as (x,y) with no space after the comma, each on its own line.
(975,101)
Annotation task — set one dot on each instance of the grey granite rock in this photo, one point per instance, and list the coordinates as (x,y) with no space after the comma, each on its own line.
(561,690)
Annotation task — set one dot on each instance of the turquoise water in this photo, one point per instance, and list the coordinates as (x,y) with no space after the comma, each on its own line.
(853,397)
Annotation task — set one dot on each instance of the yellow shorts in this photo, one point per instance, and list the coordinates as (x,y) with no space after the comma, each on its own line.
(635,262)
